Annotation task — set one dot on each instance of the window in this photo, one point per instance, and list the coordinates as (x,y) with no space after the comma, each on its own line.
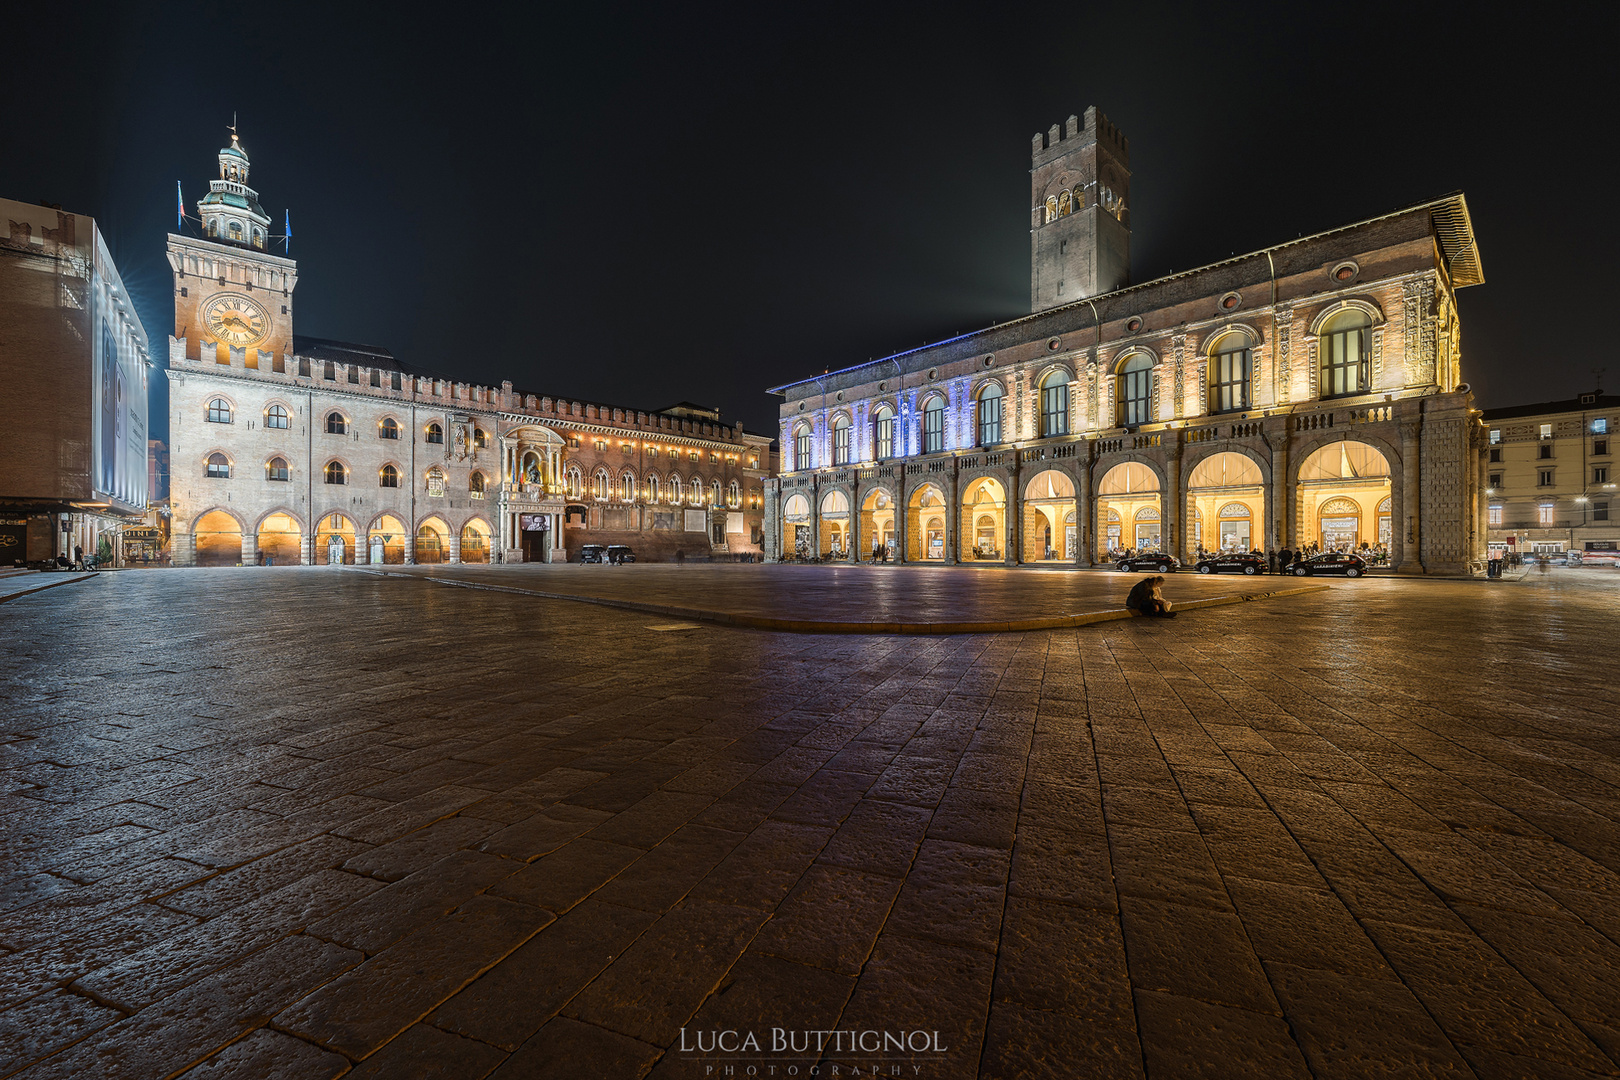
(1136,391)
(1600,511)
(435,484)
(276,469)
(1544,453)
(1600,447)
(883,432)
(990,401)
(714,493)
(1495,514)
(394,381)
(219,467)
(376,378)
(275,417)
(435,434)
(653,492)
(600,485)
(1544,514)
(303,367)
(219,411)
(330,372)
(1496,455)
(236,231)
(1055,404)
(693,455)
(801,449)
(388,429)
(1546,431)
(480,438)
(475,485)
(1600,474)
(675,489)
(1544,478)
(336,424)
(1496,436)
(627,488)
(1600,426)
(934,426)
(335,473)
(1494,480)
(388,477)
(1346,349)
(841,441)
(1229,373)
(734,496)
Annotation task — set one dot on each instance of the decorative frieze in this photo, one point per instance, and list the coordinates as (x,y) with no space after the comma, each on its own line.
(1417,323)
(1285,326)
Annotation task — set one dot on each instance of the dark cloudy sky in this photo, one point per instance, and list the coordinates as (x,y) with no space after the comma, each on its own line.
(646,204)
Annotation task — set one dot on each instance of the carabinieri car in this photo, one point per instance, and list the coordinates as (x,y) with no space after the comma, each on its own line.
(1164,564)
(1232,562)
(1331,562)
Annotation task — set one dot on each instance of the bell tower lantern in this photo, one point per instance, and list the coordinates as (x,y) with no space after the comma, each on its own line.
(1080,223)
(231,211)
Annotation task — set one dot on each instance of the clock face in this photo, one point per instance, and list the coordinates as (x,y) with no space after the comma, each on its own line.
(235,319)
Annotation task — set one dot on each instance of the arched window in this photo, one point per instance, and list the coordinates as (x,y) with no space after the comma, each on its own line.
(388,429)
(934,426)
(883,432)
(1135,390)
(1346,345)
(475,485)
(734,496)
(435,482)
(388,477)
(1079,198)
(276,417)
(1051,208)
(675,490)
(258,239)
(212,228)
(802,443)
(627,488)
(653,486)
(1055,404)
(714,493)
(480,439)
(236,231)
(335,473)
(1231,363)
(841,441)
(990,401)
(276,469)
(336,424)
(435,434)
(219,411)
(574,483)
(600,484)
(219,467)
(1063,204)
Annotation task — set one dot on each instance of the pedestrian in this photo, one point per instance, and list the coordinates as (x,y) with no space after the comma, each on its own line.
(1493,565)
(1271,557)
(1146,599)
(78,557)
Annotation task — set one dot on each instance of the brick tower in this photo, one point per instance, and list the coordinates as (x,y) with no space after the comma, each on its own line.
(1080,224)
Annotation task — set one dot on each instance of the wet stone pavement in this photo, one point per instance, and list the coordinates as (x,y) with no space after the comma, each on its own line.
(309,823)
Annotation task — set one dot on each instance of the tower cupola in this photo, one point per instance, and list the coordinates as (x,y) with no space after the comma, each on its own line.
(231,211)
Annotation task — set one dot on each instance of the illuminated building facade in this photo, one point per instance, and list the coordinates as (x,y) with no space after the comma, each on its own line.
(74,360)
(296,450)
(1308,393)
(1550,476)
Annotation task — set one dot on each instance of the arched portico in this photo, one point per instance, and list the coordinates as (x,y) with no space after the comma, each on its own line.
(334,540)
(217,538)
(386,540)
(432,541)
(1130,512)
(474,545)
(796,526)
(280,539)
(1340,488)
(926,524)
(1051,522)
(983,525)
(1226,503)
(877,522)
(834,525)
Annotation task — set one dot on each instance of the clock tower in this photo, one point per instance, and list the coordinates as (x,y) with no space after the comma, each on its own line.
(232,298)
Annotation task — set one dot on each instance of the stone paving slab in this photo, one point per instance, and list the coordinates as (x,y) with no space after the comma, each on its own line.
(308,823)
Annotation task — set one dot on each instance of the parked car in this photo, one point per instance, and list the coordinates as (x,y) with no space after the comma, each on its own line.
(1233,562)
(1158,560)
(619,553)
(593,553)
(1331,562)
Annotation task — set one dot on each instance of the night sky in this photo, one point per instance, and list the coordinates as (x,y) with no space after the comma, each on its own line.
(645,205)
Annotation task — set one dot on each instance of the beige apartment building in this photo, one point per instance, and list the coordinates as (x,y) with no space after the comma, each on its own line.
(1550,476)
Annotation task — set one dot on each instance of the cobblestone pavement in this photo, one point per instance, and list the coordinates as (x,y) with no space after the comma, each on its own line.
(307,823)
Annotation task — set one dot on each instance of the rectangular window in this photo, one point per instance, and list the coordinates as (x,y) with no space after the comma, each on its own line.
(1600,511)
(1544,478)
(841,445)
(1600,474)
(1232,380)
(1496,514)
(989,420)
(1344,362)
(801,452)
(885,436)
(1495,480)
(1135,397)
(1600,447)
(1545,453)
(1055,409)
(1546,431)
(1600,426)
(1496,455)
(1496,436)
(933,430)
(1544,514)
(331,371)
(303,367)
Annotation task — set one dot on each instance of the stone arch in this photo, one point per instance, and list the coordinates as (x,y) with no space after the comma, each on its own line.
(216,537)
(1190,463)
(877,522)
(1056,366)
(432,539)
(1117,364)
(982,523)
(1314,488)
(336,535)
(833,517)
(1206,346)
(1207,490)
(1048,497)
(988,380)
(385,539)
(286,511)
(1123,486)
(1364,304)
(475,540)
(927,523)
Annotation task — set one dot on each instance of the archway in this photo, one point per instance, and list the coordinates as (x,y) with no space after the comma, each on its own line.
(925,525)
(1048,501)
(475,542)
(877,523)
(1226,504)
(218,539)
(1342,490)
(1123,495)
(984,518)
(835,524)
(334,541)
(432,541)
(387,540)
(281,540)
(796,525)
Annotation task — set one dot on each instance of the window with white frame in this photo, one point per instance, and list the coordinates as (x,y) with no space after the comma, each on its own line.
(802,449)
(841,441)
(1496,514)
(934,426)
(990,401)
(1136,390)
(219,411)
(1346,351)
(883,432)
(1544,514)
(1055,404)
(1229,371)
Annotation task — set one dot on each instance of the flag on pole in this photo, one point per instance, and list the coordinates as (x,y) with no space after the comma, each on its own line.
(180,208)
(289,231)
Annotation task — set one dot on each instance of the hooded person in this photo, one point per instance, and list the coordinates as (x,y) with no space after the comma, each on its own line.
(1146,599)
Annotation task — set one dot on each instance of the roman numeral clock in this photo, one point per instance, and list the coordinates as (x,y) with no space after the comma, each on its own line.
(235,319)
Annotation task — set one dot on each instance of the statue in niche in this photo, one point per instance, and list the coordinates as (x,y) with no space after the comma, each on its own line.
(461,440)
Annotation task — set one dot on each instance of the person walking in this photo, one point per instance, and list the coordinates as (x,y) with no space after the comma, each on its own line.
(78,557)
(1146,599)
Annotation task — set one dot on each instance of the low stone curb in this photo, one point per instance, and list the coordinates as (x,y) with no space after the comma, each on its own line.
(816,626)
(52,585)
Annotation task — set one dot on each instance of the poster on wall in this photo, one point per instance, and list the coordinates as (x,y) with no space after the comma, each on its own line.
(118,389)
